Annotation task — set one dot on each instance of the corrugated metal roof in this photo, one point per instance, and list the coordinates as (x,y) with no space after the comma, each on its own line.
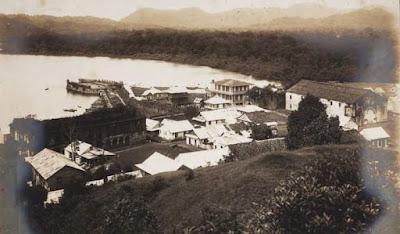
(220,114)
(48,162)
(232,139)
(202,158)
(210,131)
(87,151)
(158,163)
(176,126)
(216,100)
(376,133)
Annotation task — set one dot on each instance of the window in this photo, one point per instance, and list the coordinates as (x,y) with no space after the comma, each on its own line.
(290,97)
(331,103)
(340,104)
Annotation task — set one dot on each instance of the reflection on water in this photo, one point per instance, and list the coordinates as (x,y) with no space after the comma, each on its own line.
(36,84)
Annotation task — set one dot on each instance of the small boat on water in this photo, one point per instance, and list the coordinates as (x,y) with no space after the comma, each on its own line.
(70,110)
(46,89)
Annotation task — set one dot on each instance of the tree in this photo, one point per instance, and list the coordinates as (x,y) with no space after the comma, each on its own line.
(127,215)
(310,125)
(261,132)
(191,111)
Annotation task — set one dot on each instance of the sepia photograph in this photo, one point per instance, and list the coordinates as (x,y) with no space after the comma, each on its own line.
(199,116)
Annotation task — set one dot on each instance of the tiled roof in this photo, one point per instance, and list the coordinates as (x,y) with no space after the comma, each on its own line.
(329,91)
(48,162)
(231,82)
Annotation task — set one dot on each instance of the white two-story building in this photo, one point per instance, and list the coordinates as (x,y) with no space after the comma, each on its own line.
(354,106)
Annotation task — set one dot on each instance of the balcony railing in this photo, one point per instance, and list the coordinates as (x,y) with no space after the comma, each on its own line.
(230,92)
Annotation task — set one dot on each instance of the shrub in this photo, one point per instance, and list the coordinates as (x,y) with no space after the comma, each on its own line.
(215,219)
(190,174)
(158,184)
(329,196)
(129,216)
(261,132)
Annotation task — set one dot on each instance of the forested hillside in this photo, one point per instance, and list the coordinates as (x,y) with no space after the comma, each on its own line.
(332,50)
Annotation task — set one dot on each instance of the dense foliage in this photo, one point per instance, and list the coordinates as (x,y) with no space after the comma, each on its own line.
(215,219)
(261,132)
(332,195)
(284,56)
(310,125)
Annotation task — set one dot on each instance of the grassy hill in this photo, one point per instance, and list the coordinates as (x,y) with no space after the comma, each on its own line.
(175,201)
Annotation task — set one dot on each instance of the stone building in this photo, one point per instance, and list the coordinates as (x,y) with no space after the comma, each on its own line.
(351,105)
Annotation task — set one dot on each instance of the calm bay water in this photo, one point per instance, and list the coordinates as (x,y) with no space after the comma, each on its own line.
(25,78)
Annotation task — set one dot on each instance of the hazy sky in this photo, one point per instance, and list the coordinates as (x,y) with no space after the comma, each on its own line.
(116,9)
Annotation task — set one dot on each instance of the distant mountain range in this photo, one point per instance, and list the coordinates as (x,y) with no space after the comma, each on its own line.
(195,18)
(301,16)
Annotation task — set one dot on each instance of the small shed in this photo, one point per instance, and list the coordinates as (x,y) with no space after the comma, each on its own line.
(158,163)
(53,170)
(203,158)
(376,136)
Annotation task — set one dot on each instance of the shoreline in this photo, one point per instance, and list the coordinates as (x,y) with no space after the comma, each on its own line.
(162,58)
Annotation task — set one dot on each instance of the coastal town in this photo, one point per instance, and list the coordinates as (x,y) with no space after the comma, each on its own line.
(135,132)
(199,117)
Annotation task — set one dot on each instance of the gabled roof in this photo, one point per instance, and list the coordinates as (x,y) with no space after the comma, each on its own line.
(48,162)
(220,114)
(250,108)
(176,89)
(210,131)
(138,91)
(329,91)
(202,158)
(152,125)
(216,100)
(232,139)
(151,91)
(232,82)
(197,100)
(176,126)
(385,89)
(86,150)
(376,133)
(158,163)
